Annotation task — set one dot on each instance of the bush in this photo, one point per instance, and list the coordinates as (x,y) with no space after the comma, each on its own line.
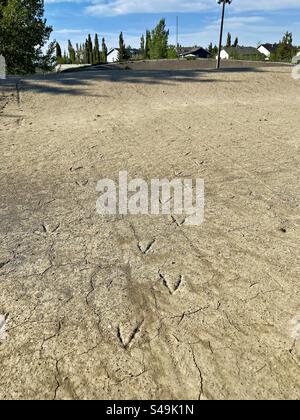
(172,53)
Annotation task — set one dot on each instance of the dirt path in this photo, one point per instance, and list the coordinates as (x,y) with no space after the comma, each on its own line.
(91,314)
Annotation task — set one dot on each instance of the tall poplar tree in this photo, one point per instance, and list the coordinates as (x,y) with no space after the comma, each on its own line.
(104,51)
(122,48)
(228,43)
(59,57)
(142,48)
(148,45)
(72,53)
(89,50)
(96,57)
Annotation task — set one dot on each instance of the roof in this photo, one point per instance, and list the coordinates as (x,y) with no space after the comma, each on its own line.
(241,50)
(193,51)
(183,50)
(112,50)
(270,47)
(134,50)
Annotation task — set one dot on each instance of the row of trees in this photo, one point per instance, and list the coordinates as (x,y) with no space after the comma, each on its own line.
(229,42)
(154,45)
(23,34)
(86,53)
(213,49)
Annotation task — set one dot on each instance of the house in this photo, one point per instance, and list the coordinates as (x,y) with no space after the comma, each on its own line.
(2,68)
(296,59)
(224,54)
(197,52)
(240,53)
(113,55)
(267,49)
(133,53)
(184,50)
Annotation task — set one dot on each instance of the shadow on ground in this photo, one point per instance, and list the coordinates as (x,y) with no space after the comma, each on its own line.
(80,81)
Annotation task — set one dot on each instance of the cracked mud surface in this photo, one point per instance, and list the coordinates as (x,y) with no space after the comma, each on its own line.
(145,307)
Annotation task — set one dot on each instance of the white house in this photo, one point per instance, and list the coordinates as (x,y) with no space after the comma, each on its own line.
(113,56)
(224,55)
(267,49)
(296,59)
(238,53)
(2,68)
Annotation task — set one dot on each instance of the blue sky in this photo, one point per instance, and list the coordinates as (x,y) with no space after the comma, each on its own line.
(253,21)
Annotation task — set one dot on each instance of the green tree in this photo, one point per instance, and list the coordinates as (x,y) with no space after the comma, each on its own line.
(142,46)
(89,50)
(122,48)
(148,45)
(159,45)
(23,33)
(210,48)
(285,50)
(65,58)
(104,51)
(97,57)
(228,43)
(215,50)
(172,52)
(79,54)
(236,42)
(288,38)
(58,51)
(47,61)
(72,53)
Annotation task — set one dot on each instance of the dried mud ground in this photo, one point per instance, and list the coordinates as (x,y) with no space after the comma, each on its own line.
(145,307)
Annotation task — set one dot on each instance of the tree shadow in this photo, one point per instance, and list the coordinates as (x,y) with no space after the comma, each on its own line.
(87,81)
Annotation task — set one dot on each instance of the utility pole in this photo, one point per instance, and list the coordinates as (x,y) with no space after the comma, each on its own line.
(222,28)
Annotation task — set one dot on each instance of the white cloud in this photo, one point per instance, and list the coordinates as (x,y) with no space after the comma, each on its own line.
(69,31)
(265,5)
(124,7)
(66,1)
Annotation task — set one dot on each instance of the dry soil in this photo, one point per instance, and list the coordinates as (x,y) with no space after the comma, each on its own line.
(144,307)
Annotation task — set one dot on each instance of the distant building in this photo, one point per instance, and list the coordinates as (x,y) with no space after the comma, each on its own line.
(267,49)
(240,53)
(2,68)
(113,55)
(133,53)
(224,54)
(296,59)
(197,52)
(184,50)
